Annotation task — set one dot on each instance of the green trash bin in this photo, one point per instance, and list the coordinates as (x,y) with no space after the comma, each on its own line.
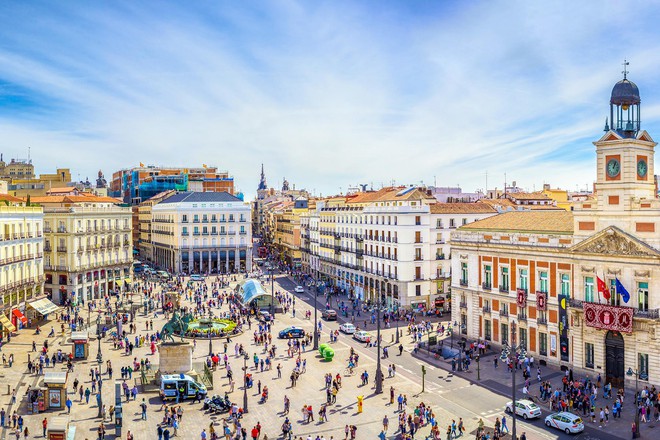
(322,348)
(328,354)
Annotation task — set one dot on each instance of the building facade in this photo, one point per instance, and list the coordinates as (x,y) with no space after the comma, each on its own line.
(88,249)
(21,258)
(145,240)
(578,289)
(202,233)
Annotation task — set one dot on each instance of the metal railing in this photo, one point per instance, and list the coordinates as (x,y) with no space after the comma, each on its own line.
(485,286)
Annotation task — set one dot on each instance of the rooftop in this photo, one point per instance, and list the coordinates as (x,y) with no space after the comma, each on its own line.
(559,222)
(203,197)
(462,208)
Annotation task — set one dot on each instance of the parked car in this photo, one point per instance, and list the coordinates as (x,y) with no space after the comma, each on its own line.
(330,315)
(362,336)
(196,277)
(347,328)
(565,421)
(525,408)
(292,332)
(299,289)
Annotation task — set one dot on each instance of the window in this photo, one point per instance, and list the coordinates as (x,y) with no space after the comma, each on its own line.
(523,278)
(438,224)
(487,330)
(523,337)
(464,274)
(418,220)
(643,296)
(452,223)
(565,285)
(643,366)
(589,289)
(488,276)
(505,333)
(504,277)
(196,218)
(588,355)
(543,344)
(418,290)
(543,282)
(418,237)
(464,221)
(615,297)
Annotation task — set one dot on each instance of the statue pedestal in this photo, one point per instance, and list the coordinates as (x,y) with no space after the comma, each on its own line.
(175,357)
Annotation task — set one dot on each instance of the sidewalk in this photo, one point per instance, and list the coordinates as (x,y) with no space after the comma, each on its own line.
(498,380)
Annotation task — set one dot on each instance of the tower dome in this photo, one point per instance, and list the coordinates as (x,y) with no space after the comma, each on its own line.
(625,106)
(625,93)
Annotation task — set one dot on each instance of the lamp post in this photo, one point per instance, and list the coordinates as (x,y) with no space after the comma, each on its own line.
(245,384)
(379,372)
(100,399)
(515,350)
(478,369)
(99,356)
(210,345)
(635,373)
(316,325)
(272,291)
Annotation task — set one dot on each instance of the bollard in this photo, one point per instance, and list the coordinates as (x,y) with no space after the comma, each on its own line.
(359,403)
(392,338)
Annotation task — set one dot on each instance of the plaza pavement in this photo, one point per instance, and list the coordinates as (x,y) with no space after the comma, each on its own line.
(450,395)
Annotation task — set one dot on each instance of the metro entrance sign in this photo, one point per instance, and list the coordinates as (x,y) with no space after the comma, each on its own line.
(619,319)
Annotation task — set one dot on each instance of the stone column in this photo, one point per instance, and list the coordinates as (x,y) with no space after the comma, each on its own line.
(248,259)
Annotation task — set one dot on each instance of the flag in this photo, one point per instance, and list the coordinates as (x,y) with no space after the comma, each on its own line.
(602,289)
(622,290)
(141,164)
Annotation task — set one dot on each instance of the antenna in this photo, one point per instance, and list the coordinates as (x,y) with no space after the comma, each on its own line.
(625,64)
(29,155)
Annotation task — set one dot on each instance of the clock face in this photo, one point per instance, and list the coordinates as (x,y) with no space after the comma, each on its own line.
(613,167)
(642,168)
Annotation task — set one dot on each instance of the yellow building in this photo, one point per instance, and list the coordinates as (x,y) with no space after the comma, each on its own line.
(144,241)
(560,196)
(38,186)
(88,250)
(21,259)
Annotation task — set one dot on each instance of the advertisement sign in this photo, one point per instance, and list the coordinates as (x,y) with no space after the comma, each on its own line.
(541,301)
(563,327)
(607,317)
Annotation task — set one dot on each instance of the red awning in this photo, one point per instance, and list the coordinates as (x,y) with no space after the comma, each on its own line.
(17,313)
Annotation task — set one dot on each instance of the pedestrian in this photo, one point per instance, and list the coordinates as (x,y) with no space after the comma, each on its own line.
(44,425)
(386,423)
(143,407)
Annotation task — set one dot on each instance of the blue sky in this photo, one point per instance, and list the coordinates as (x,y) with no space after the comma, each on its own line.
(325,93)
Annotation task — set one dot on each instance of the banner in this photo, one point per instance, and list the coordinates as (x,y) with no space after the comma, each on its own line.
(563,327)
(541,301)
(619,319)
(521,297)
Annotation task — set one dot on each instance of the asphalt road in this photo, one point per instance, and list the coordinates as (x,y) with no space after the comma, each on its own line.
(461,397)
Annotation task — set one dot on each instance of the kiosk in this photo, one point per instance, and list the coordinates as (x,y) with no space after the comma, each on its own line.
(55,384)
(80,345)
(58,428)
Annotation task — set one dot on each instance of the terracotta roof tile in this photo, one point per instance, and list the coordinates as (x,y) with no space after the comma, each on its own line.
(528,196)
(560,222)
(462,208)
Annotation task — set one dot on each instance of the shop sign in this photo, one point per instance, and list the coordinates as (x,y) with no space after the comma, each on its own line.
(608,317)
(541,301)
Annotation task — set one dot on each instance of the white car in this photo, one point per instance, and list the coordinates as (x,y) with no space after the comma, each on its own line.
(347,328)
(362,336)
(525,408)
(565,421)
(299,289)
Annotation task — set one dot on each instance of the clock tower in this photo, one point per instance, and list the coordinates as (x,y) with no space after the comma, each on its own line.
(625,193)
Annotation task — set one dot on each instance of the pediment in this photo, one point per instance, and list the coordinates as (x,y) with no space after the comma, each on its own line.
(645,136)
(614,241)
(610,136)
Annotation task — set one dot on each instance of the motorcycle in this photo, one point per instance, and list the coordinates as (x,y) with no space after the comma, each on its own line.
(217,404)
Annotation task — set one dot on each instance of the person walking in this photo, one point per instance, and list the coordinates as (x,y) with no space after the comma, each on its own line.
(44,425)
(504,424)
(386,423)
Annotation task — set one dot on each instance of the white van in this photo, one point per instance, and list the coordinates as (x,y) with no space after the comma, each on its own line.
(173,384)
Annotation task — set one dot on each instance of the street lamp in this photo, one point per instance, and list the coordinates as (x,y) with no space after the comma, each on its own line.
(272,290)
(515,350)
(477,358)
(245,384)
(210,345)
(99,356)
(100,398)
(635,373)
(316,326)
(379,372)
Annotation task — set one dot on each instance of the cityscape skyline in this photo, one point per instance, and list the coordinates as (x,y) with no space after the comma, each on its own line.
(365,88)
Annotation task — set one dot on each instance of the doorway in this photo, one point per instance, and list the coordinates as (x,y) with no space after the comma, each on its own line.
(614,359)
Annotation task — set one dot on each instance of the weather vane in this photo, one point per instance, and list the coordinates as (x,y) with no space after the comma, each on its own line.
(625,70)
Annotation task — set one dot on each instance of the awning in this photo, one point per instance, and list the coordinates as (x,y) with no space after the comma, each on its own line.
(17,313)
(44,306)
(6,323)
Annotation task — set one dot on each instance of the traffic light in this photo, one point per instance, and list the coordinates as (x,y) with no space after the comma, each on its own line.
(423,370)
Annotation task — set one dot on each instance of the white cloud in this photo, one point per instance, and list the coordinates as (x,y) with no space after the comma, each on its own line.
(327,94)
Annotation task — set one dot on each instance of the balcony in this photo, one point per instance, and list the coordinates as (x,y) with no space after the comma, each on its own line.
(184,234)
(48,230)
(440,257)
(242,232)
(485,286)
(463,305)
(647,314)
(419,258)
(61,230)
(522,317)
(47,247)
(504,289)
(486,309)
(576,303)
(542,320)
(61,249)
(196,233)
(195,220)
(231,220)
(504,313)
(463,283)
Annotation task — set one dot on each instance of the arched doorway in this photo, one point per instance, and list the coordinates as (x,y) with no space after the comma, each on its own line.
(614,358)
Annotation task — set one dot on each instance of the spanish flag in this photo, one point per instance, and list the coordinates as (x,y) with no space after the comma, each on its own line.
(141,164)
